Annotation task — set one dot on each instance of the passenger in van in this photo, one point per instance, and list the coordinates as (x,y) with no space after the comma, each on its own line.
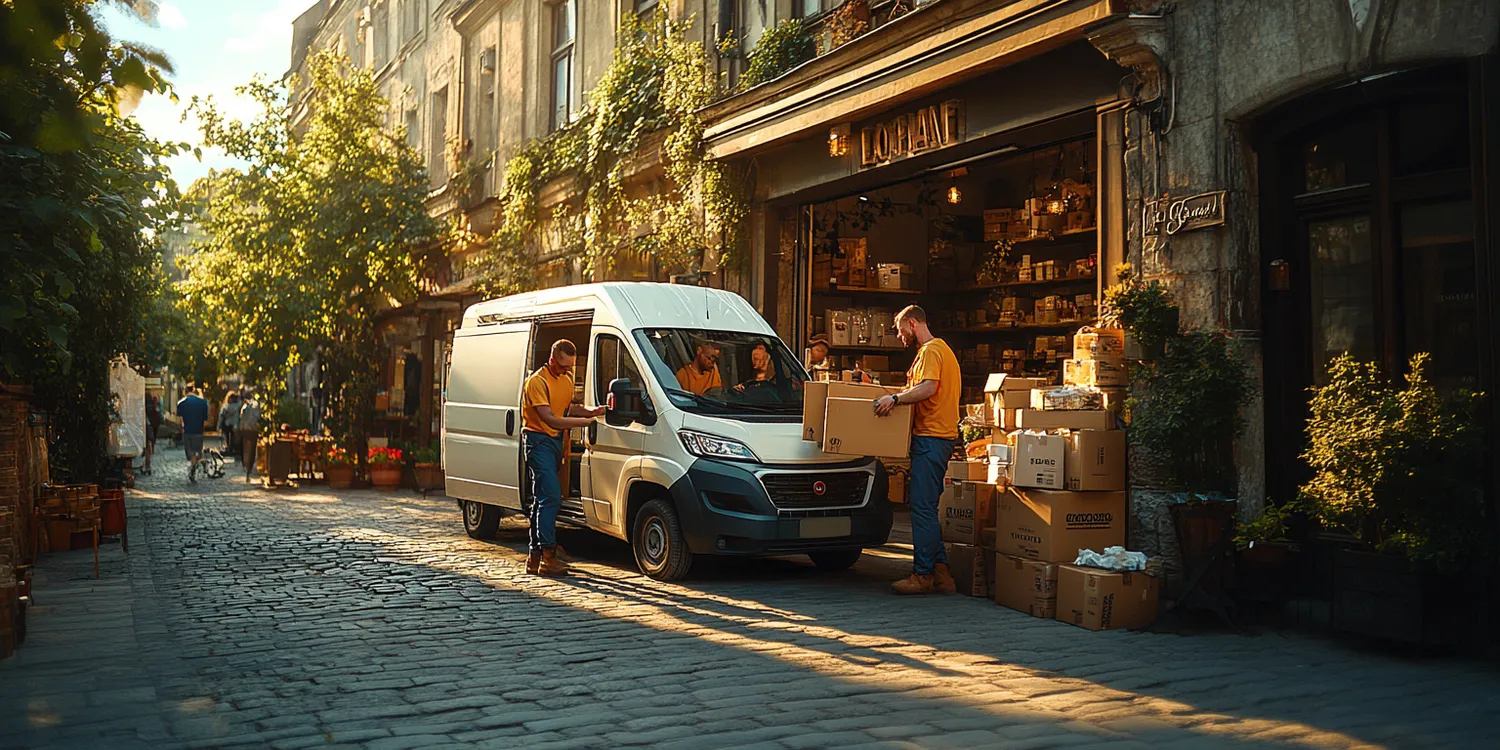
(818,360)
(545,414)
(702,374)
(933,386)
(761,365)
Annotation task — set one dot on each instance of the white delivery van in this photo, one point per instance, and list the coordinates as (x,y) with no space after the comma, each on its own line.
(675,472)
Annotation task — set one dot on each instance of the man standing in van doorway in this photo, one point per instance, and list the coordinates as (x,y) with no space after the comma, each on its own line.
(544,414)
(934,383)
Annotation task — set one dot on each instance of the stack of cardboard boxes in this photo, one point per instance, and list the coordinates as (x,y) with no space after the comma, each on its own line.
(840,418)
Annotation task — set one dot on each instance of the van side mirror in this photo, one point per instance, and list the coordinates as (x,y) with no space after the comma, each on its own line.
(626,404)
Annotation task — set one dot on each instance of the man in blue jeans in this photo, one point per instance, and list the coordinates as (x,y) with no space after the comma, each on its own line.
(934,383)
(544,415)
(194,412)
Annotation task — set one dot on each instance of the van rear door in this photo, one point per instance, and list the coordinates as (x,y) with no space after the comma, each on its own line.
(482,417)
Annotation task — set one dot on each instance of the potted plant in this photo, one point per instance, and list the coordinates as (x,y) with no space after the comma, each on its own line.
(427,467)
(1265,556)
(338,468)
(385,467)
(1144,310)
(1397,467)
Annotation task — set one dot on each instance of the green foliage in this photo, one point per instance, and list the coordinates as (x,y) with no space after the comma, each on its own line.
(968,433)
(1145,310)
(325,226)
(781,48)
(654,87)
(291,412)
(1398,465)
(1184,413)
(429,455)
(82,192)
(1270,526)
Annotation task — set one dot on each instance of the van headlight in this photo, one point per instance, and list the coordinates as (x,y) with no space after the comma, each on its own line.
(713,446)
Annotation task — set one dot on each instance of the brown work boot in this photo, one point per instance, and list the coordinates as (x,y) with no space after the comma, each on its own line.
(550,566)
(533,561)
(916,583)
(942,579)
(562,554)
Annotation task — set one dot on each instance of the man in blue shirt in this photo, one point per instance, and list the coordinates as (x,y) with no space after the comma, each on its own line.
(194,412)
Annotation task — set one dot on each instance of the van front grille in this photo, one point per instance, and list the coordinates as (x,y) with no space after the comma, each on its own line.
(799,491)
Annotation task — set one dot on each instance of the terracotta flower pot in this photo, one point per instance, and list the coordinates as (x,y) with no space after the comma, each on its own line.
(386,476)
(339,477)
(429,476)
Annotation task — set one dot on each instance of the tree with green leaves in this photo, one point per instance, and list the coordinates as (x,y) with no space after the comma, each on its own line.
(83,192)
(325,228)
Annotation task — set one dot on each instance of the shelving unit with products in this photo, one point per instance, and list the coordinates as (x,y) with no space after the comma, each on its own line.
(1002,253)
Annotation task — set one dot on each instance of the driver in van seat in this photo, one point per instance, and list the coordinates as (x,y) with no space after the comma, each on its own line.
(544,413)
(764,371)
(702,374)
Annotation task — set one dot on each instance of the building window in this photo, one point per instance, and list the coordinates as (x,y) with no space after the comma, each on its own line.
(807,8)
(413,129)
(381,43)
(562,63)
(646,9)
(411,19)
(437,163)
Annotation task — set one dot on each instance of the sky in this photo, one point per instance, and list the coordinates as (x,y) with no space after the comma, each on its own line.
(215,45)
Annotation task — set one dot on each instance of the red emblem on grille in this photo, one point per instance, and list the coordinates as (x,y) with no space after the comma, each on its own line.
(819,488)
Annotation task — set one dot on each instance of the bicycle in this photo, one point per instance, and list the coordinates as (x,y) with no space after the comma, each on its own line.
(212,465)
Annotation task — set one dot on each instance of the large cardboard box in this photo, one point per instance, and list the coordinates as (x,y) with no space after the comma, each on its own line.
(965,511)
(1026,585)
(1039,460)
(1100,343)
(815,403)
(1052,526)
(1105,600)
(1037,419)
(1096,460)
(851,428)
(967,471)
(998,384)
(1098,373)
(970,568)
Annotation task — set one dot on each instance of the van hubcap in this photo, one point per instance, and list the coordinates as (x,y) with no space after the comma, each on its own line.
(655,540)
(471,513)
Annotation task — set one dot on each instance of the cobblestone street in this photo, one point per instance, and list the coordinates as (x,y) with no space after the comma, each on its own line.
(310,618)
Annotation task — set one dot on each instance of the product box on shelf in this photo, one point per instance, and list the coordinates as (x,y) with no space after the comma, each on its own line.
(965,511)
(895,276)
(840,328)
(1052,525)
(1039,460)
(1095,460)
(1096,599)
(1029,586)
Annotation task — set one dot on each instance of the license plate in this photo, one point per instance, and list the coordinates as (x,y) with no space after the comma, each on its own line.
(821,528)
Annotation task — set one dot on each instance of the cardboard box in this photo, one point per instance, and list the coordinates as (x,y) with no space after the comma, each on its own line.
(1066,398)
(970,569)
(840,329)
(965,511)
(1029,586)
(1039,460)
(1035,419)
(1105,600)
(1052,526)
(966,471)
(1114,399)
(851,428)
(1098,343)
(1097,373)
(815,397)
(895,276)
(999,384)
(877,362)
(1095,461)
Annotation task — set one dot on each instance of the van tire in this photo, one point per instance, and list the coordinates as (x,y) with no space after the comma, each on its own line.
(481,520)
(836,559)
(660,550)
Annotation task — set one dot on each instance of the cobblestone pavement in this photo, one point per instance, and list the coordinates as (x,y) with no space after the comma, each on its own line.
(245,617)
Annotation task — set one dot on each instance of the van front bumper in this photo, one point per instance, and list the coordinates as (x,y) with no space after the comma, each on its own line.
(726,509)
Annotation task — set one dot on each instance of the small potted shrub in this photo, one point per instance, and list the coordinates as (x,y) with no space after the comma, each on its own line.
(338,468)
(1265,555)
(385,467)
(427,468)
(1397,466)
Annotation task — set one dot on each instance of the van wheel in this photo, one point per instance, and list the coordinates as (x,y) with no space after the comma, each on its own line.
(835,560)
(481,520)
(660,550)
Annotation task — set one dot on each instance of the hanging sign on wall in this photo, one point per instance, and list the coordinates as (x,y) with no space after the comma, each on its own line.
(911,134)
(1173,215)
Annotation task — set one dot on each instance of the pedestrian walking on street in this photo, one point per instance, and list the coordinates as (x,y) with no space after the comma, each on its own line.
(934,383)
(229,420)
(249,429)
(194,414)
(545,415)
(153,424)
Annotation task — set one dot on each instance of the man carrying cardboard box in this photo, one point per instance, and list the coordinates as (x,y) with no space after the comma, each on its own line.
(934,383)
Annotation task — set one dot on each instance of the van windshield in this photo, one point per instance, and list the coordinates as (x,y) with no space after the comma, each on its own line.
(724,372)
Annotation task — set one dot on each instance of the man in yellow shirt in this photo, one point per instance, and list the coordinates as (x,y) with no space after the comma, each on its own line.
(934,384)
(545,402)
(702,374)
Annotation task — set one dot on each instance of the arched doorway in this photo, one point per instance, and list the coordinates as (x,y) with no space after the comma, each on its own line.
(1372,241)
